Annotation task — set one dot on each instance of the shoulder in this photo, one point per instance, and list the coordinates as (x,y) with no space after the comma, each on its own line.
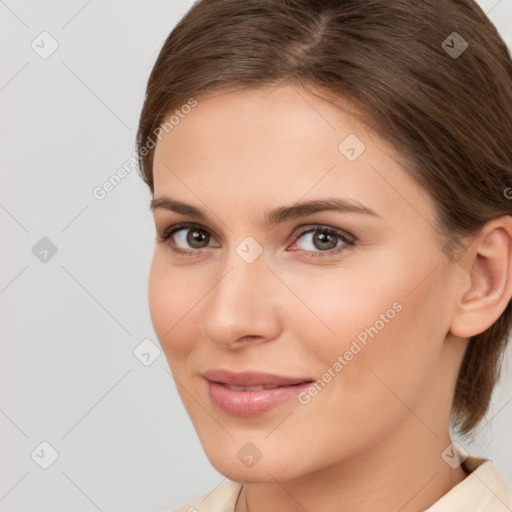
(219,499)
(483,490)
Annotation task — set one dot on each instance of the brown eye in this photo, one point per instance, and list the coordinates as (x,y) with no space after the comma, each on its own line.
(322,239)
(186,239)
(325,240)
(196,237)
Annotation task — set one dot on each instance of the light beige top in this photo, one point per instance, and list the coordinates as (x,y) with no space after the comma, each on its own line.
(483,490)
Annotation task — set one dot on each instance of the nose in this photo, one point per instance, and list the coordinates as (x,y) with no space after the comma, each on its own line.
(243,305)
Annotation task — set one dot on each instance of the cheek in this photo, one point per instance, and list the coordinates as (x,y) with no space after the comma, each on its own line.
(381,325)
(392,366)
(171,299)
(349,306)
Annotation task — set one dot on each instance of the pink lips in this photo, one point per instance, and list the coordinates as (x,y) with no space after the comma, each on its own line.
(277,389)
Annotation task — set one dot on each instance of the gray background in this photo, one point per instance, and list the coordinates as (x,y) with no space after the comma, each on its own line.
(70,323)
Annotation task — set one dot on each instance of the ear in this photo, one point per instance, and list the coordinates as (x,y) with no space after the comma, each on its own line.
(488,268)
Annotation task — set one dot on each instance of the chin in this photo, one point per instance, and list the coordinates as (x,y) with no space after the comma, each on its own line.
(268,468)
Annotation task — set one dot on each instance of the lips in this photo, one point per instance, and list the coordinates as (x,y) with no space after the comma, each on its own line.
(251,393)
(252,379)
(249,388)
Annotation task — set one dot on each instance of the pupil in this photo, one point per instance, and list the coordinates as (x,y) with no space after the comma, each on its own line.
(323,238)
(195,237)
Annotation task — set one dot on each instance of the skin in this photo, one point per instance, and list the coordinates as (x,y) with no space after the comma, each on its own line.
(372,438)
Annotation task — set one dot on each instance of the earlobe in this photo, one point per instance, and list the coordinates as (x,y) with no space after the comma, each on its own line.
(489,267)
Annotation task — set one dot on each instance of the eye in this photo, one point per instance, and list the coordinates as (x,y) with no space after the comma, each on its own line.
(189,234)
(324,241)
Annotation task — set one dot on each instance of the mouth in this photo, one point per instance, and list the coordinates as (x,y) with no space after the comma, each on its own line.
(250,393)
(252,379)
(260,387)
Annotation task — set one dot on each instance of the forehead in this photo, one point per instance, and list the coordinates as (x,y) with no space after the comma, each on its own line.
(279,144)
(275,116)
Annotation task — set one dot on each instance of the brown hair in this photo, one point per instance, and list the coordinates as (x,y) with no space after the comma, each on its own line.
(448,114)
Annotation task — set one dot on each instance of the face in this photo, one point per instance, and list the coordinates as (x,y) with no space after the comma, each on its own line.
(349,297)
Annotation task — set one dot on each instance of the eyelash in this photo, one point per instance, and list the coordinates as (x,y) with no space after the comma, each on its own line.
(348,239)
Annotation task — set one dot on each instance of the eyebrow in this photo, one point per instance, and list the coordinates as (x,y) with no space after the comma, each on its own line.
(275,216)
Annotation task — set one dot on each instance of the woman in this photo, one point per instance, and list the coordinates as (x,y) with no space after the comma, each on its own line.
(332,276)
